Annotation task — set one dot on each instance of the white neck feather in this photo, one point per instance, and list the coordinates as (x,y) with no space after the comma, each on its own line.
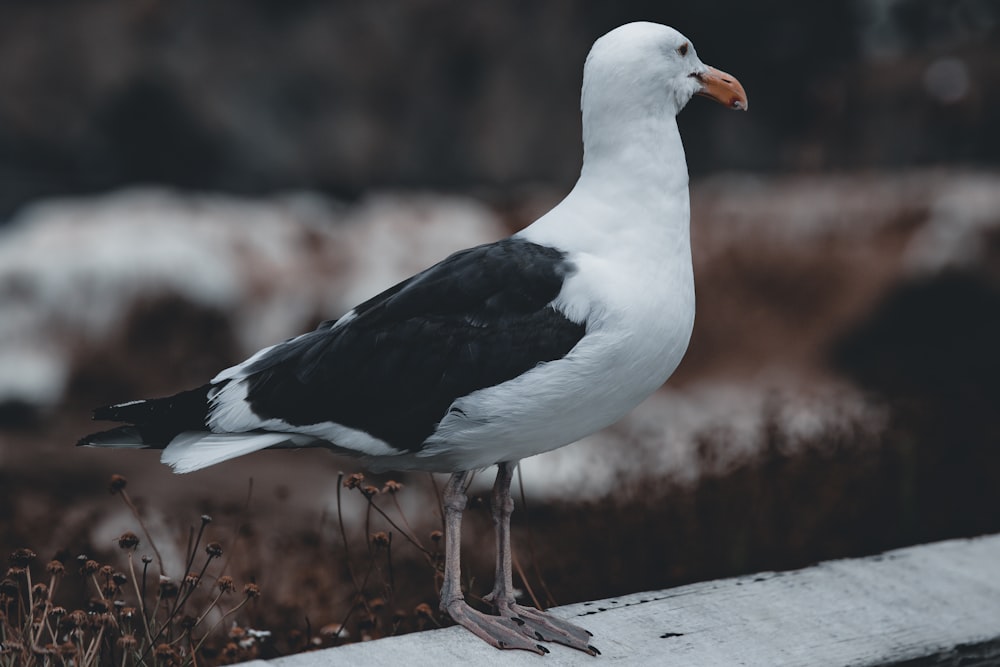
(632,192)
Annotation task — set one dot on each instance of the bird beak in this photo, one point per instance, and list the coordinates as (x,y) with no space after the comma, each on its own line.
(723,88)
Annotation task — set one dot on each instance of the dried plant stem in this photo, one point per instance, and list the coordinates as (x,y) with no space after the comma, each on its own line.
(141,596)
(208,610)
(142,524)
(31,601)
(218,622)
(524,579)
(100,593)
(193,549)
(343,535)
(95,645)
(404,533)
(145,569)
(440,503)
(388,558)
(359,595)
(182,599)
(550,601)
(368,524)
(194,654)
(409,528)
(231,547)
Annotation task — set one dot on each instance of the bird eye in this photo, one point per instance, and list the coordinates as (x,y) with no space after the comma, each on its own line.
(683,49)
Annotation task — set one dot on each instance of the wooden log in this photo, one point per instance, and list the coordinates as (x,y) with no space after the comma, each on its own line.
(935,604)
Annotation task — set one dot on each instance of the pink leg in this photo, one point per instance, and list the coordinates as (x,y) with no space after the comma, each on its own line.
(531,622)
(497,631)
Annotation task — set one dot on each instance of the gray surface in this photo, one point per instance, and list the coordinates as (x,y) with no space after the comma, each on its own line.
(937,603)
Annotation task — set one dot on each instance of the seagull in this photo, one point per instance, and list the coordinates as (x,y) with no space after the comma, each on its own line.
(501,351)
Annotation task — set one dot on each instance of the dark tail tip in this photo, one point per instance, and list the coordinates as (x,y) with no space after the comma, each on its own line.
(123,437)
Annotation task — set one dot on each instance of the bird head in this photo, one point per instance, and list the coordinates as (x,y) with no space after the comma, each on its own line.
(648,68)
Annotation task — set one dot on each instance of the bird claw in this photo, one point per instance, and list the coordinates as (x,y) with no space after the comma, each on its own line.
(545,627)
(497,631)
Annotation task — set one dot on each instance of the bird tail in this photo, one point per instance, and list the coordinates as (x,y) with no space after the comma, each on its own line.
(178,425)
(154,422)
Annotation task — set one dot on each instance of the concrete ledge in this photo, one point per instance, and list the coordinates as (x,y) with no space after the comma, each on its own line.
(936,604)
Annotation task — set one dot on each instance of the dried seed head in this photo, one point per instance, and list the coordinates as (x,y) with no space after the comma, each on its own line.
(436,536)
(146,560)
(106,571)
(77,618)
(97,606)
(117,483)
(167,654)
(231,651)
(128,540)
(55,568)
(225,584)
(399,615)
(423,610)
(213,549)
(380,540)
(105,621)
(39,590)
(251,590)
(370,491)
(354,481)
(205,519)
(191,580)
(67,649)
(128,612)
(168,589)
(376,604)
(188,622)
(90,567)
(21,557)
(119,578)
(57,612)
(127,642)
(9,588)
(392,486)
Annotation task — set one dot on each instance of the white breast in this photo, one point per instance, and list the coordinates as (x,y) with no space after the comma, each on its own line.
(636,337)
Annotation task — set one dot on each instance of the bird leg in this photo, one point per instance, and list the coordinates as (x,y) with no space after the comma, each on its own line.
(497,631)
(531,622)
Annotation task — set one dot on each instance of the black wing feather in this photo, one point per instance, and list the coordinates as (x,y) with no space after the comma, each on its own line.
(475,320)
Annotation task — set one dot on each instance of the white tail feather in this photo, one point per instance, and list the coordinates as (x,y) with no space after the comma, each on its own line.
(194,450)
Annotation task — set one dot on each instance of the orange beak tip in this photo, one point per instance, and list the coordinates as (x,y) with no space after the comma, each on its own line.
(723,88)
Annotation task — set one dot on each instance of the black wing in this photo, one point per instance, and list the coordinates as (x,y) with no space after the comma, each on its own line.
(479,318)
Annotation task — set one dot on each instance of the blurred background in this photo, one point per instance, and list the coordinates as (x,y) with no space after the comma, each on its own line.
(184,182)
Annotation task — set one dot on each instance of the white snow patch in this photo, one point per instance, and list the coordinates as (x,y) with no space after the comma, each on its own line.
(963,213)
(660,438)
(71,269)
